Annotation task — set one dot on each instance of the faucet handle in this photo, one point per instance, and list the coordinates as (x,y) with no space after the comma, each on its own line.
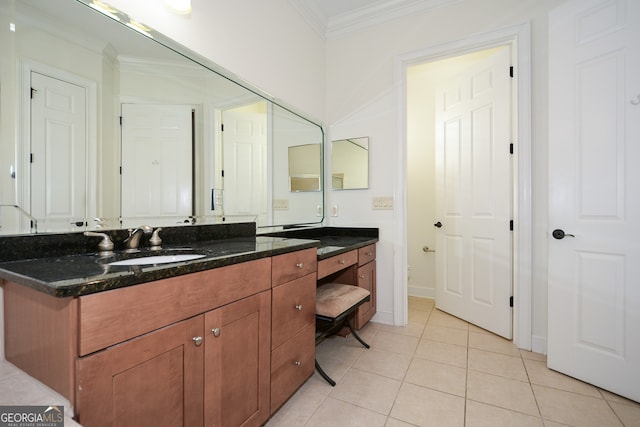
(106,245)
(155,241)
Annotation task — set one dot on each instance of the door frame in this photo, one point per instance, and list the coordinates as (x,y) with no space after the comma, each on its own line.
(23,192)
(519,38)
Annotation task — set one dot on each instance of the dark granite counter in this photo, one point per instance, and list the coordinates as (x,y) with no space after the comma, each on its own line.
(333,240)
(61,272)
(68,265)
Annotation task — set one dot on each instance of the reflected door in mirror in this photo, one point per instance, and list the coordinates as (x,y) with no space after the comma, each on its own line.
(156,163)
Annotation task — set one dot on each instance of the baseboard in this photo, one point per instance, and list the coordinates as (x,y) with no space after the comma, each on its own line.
(415,291)
(383,317)
(539,344)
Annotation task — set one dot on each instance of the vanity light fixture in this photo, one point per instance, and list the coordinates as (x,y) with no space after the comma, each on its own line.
(141,28)
(183,7)
(104,8)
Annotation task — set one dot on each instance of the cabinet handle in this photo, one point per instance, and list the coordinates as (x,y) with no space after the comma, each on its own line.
(299,307)
(341,261)
(297,363)
(299,265)
(197,341)
(215,332)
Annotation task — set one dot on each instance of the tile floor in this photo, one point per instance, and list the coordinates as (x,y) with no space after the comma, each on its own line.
(442,371)
(18,388)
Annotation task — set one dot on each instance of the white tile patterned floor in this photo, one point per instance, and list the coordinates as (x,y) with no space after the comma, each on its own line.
(441,371)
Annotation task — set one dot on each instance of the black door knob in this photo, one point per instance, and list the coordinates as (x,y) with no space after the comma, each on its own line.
(438,224)
(560,234)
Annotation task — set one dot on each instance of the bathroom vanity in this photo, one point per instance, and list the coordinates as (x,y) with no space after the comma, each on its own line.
(224,339)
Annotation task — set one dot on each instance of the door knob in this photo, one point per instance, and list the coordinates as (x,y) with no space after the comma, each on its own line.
(438,224)
(560,234)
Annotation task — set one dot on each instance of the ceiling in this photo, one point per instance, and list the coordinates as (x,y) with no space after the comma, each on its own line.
(331,18)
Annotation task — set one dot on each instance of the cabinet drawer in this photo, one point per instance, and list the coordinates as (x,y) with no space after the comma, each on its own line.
(337,263)
(291,364)
(367,280)
(287,267)
(293,308)
(110,317)
(366,254)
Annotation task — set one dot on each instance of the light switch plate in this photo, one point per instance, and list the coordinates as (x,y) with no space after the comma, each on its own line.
(280,204)
(382,203)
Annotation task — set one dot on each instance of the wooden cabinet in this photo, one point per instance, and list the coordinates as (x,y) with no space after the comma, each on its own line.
(236,363)
(366,278)
(293,323)
(153,380)
(212,369)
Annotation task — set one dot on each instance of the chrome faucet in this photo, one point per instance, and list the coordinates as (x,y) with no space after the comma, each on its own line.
(132,242)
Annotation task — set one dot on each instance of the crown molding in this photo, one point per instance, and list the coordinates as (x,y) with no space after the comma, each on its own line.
(376,13)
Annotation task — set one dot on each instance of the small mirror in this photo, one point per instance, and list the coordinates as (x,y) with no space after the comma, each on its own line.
(350,164)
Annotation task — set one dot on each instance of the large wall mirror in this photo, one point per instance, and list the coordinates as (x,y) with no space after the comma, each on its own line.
(350,164)
(108,124)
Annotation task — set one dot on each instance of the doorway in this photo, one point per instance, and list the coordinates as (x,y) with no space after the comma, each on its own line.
(460,179)
(518,37)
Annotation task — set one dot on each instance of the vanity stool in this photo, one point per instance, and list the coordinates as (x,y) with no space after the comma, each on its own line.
(335,302)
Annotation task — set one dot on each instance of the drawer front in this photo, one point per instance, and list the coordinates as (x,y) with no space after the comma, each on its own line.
(367,280)
(287,267)
(366,254)
(291,364)
(337,263)
(293,308)
(110,317)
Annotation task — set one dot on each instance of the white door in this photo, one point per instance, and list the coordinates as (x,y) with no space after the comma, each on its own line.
(58,154)
(594,193)
(156,164)
(474,195)
(244,158)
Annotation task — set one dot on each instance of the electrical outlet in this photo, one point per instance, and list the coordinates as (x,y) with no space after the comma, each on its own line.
(382,203)
(334,210)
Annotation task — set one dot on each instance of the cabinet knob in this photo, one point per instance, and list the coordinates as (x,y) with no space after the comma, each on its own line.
(341,261)
(369,253)
(197,341)
(215,332)
(299,307)
(297,363)
(299,265)
(361,276)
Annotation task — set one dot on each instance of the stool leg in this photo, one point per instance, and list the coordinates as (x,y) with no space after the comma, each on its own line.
(324,374)
(355,334)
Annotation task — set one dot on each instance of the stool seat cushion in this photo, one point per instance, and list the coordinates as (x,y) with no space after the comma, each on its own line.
(333,299)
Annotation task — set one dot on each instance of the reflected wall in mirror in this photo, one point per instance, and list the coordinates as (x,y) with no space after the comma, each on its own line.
(304,168)
(104,127)
(350,164)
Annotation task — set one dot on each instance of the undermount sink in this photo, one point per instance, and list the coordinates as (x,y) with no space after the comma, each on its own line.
(157,259)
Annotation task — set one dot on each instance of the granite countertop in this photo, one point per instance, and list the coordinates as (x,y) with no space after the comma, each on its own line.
(333,240)
(82,274)
(68,265)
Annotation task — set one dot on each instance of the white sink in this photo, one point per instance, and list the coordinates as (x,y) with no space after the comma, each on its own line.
(157,259)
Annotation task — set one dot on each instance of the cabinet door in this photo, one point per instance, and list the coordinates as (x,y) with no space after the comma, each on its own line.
(154,380)
(294,307)
(237,355)
(367,280)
